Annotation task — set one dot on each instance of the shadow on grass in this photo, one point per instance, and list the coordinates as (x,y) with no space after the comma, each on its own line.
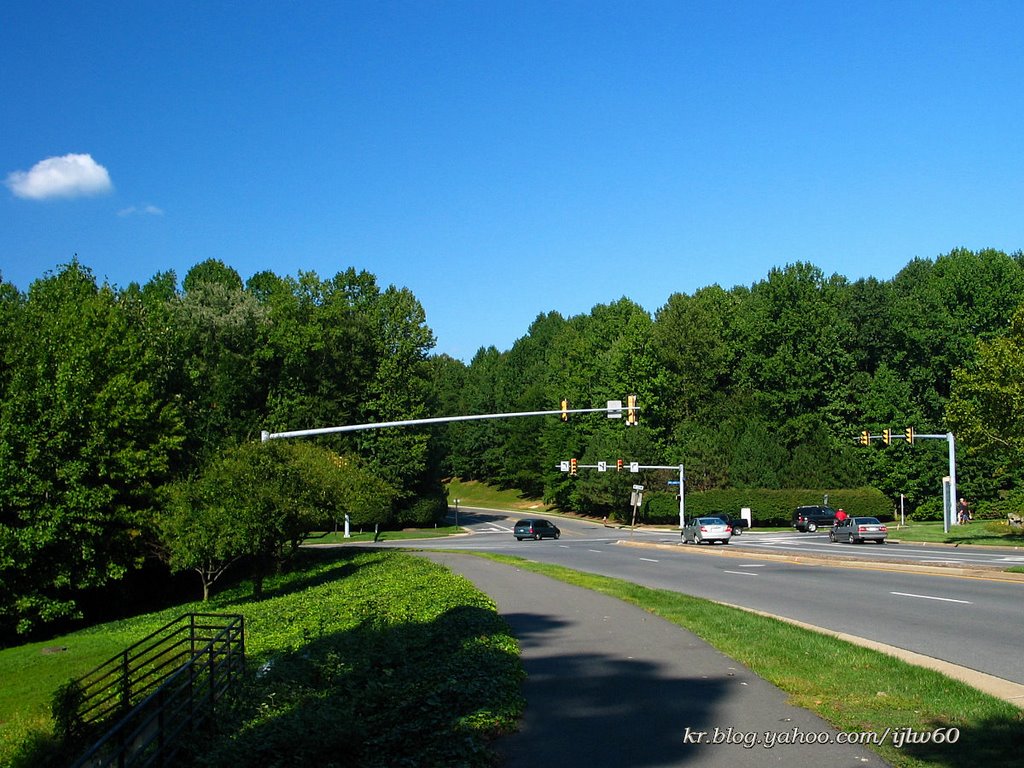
(992,743)
(308,568)
(378,695)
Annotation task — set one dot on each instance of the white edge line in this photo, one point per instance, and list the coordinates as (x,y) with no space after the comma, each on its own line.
(932,597)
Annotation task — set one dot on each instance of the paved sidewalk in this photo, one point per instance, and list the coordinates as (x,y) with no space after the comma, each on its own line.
(609,684)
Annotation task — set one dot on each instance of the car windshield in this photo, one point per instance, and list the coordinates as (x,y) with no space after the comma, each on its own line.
(524,523)
(710,521)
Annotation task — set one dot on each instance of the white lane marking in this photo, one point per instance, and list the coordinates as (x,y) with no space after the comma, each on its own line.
(753,565)
(599,551)
(932,597)
(741,573)
(564,546)
(647,559)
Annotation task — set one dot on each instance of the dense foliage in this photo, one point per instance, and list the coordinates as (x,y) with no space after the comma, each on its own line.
(109,397)
(765,387)
(130,418)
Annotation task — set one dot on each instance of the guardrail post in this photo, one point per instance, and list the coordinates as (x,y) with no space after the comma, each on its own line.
(126,685)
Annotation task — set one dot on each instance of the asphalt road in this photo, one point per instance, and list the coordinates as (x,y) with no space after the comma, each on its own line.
(609,684)
(974,623)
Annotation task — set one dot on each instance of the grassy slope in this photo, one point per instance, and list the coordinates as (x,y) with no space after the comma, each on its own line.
(358,640)
(471,493)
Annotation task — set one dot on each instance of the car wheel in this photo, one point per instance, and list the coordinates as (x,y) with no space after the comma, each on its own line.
(832,536)
(725,541)
(850,539)
(698,539)
(536,537)
(519,538)
(557,535)
(736,531)
(880,541)
(812,527)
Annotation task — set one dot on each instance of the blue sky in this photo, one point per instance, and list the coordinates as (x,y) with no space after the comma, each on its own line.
(504,159)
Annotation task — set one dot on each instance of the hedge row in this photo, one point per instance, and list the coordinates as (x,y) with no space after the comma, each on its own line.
(768,508)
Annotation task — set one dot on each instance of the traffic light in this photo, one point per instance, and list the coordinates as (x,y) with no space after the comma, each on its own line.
(865,438)
(887,436)
(909,434)
(630,410)
(618,465)
(572,467)
(565,410)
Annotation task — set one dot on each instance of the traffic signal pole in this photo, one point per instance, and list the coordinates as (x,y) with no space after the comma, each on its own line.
(265,436)
(887,436)
(602,466)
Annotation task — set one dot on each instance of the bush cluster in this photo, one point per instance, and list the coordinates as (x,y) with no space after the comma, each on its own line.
(767,507)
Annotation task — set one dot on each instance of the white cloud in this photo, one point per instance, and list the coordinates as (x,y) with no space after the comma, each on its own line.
(141,210)
(67,176)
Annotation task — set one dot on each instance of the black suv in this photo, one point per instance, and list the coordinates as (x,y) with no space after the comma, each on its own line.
(812,518)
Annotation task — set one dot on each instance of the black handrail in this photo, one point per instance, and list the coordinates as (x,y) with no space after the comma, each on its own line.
(156,705)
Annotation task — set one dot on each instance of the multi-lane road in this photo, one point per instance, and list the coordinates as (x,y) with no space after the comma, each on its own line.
(940,611)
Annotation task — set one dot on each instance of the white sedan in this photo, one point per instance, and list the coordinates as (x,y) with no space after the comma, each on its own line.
(709,529)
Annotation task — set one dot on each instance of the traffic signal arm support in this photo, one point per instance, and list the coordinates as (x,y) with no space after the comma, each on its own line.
(417,422)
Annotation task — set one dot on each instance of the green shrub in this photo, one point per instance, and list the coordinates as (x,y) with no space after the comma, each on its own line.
(660,508)
(424,511)
(768,507)
(999,509)
(929,509)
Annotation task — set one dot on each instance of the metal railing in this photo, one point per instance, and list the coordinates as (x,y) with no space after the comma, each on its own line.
(160,688)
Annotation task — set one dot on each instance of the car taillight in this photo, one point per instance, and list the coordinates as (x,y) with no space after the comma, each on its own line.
(882,528)
(704,528)
(728,529)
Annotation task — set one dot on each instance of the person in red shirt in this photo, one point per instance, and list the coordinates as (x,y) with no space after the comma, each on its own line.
(840,516)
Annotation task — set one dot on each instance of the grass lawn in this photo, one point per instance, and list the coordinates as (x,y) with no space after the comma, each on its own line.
(991,532)
(384,657)
(330,537)
(471,493)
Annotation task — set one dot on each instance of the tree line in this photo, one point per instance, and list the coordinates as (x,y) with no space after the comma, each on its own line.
(130,422)
(130,417)
(766,386)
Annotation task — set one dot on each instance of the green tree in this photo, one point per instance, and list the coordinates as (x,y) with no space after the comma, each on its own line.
(795,357)
(258,502)
(85,440)
(694,338)
(986,405)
